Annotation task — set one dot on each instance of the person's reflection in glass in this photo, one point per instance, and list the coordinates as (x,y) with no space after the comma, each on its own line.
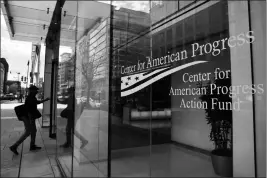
(70,127)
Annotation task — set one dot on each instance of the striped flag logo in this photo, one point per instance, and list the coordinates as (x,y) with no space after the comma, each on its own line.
(133,83)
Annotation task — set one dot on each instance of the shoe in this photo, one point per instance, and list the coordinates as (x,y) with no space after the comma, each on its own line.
(34,147)
(14,150)
(83,144)
(65,145)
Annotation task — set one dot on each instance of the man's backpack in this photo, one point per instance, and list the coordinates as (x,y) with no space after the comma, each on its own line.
(21,111)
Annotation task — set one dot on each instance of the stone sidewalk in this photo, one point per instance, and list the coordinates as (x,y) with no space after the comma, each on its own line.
(27,164)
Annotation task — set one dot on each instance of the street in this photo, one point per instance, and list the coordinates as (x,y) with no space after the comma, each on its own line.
(9,118)
(7,109)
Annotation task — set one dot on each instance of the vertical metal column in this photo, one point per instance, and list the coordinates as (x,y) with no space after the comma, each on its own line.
(54,38)
(110,87)
(47,84)
(53,96)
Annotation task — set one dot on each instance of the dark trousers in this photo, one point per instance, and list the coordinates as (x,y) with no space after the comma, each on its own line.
(69,129)
(30,129)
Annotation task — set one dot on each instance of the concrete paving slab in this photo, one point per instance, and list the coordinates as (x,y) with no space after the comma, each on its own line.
(9,144)
(50,142)
(9,159)
(33,159)
(19,128)
(51,151)
(18,123)
(9,131)
(56,171)
(26,148)
(4,133)
(16,158)
(38,142)
(52,159)
(36,171)
(9,164)
(5,139)
(6,154)
(48,175)
(45,130)
(14,136)
(10,172)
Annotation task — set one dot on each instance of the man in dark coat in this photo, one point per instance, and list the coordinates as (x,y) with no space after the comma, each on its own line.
(29,120)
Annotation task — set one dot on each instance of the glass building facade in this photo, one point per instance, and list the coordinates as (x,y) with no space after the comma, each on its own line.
(160,88)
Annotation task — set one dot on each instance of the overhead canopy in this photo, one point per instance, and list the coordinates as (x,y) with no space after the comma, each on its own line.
(30,20)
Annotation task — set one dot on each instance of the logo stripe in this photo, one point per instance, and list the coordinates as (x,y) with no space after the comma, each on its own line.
(142,77)
(158,77)
(144,80)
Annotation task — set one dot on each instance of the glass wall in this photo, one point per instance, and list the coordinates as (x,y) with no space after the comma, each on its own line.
(92,81)
(189,53)
(83,80)
(65,117)
(177,93)
(130,144)
(156,88)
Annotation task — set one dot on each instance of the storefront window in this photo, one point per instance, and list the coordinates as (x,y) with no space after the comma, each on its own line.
(130,145)
(83,120)
(158,88)
(66,89)
(175,98)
